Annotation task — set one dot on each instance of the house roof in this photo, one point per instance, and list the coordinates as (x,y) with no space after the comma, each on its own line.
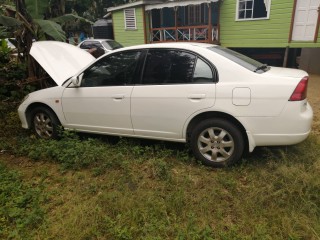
(158,4)
(175,3)
(134,4)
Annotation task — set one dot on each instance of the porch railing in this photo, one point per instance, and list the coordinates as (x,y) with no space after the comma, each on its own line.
(185,34)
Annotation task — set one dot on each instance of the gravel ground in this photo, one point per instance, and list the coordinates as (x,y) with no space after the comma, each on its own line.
(314,100)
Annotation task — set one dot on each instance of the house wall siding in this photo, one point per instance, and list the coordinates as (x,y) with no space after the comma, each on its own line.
(272,32)
(128,37)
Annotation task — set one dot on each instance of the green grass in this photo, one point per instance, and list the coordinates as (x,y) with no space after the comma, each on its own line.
(20,205)
(136,189)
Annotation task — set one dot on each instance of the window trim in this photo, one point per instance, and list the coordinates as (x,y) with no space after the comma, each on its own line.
(252,19)
(215,73)
(136,74)
(130,19)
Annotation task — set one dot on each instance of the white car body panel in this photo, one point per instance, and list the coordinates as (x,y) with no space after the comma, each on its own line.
(60,60)
(104,110)
(163,110)
(259,102)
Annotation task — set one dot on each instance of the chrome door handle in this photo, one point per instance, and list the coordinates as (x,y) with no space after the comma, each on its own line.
(197,96)
(118,96)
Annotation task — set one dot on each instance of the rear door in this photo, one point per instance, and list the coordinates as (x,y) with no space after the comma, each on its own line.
(175,84)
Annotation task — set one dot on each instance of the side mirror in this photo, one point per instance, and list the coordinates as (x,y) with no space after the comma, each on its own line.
(76,80)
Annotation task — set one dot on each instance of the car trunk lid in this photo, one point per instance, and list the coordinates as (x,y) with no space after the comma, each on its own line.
(286,72)
(60,60)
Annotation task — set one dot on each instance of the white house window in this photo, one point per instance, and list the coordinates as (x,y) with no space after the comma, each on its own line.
(253,9)
(130,19)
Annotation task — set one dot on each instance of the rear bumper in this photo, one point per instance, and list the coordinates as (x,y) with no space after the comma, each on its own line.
(291,127)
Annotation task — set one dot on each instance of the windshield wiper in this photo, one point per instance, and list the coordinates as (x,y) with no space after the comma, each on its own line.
(261,67)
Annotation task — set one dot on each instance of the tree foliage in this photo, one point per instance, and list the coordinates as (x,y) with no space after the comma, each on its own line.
(32,20)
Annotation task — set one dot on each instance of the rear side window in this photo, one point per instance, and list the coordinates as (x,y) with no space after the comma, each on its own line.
(85,45)
(165,66)
(111,45)
(202,72)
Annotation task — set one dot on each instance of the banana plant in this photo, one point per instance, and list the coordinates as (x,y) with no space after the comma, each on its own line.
(29,21)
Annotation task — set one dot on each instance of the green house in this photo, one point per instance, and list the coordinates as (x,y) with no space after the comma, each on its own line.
(279,32)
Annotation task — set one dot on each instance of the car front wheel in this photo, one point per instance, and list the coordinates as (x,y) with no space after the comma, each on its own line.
(45,123)
(217,143)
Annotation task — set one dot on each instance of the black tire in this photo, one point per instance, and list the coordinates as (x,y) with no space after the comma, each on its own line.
(217,142)
(45,123)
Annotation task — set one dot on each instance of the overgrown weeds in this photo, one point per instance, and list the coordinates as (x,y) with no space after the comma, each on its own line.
(138,189)
(20,206)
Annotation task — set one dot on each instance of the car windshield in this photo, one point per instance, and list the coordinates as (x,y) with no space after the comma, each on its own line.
(241,59)
(111,45)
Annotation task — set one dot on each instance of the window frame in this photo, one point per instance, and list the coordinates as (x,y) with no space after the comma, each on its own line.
(215,75)
(135,74)
(130,24)
(268,8)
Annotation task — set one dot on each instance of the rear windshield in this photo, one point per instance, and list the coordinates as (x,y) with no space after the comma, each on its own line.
(241,59)
(112,45)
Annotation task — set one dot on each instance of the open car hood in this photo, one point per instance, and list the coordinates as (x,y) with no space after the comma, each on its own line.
(60,60)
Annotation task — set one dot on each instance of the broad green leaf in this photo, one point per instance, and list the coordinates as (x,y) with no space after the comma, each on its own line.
(68,18)
(37,8)
(9,21)
(52,29)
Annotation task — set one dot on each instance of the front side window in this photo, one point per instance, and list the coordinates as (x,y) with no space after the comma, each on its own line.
(175,67)
(114,70)
(253,9)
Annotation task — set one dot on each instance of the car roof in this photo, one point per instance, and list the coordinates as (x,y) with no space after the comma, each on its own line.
(183,45)
(98,40)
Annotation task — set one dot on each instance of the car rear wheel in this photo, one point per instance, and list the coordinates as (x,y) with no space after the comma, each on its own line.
(217,143)
(45,123)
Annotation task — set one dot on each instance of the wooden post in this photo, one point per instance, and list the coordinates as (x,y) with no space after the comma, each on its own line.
(210,40)
(144,24)
(285,60)
(176,23)
(317,28)
(292,20)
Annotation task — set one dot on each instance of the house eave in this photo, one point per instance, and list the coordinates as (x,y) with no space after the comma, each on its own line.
(171,4)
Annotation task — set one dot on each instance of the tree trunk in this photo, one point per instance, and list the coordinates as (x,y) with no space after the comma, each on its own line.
(26,38)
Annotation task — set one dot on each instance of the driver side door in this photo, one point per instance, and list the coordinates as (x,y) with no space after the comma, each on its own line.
(102,102)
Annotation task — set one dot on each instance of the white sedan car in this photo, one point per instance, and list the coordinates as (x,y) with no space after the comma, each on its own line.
(219,101)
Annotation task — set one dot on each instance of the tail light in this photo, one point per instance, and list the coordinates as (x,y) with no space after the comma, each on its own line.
(300,93)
